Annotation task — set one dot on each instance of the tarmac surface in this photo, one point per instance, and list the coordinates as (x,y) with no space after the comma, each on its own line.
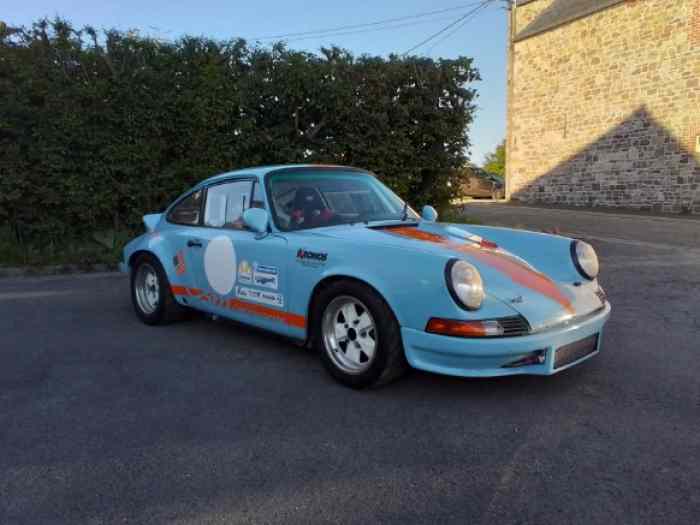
(106,420)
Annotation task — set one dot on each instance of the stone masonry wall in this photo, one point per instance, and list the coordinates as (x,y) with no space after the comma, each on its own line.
(605,110)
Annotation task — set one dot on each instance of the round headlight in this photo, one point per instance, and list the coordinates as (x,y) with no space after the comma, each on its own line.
(465,284)
(585,259)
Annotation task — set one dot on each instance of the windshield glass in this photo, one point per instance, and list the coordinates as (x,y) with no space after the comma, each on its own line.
(315,198)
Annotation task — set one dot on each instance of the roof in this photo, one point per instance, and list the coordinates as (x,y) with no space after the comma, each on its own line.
(561,12)
(261,171)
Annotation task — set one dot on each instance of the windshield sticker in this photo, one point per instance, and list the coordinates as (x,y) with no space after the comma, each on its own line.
(260,296)
(245,272)
(311,258)
(266,276)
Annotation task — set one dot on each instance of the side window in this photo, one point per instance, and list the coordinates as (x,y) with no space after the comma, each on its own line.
(258,201)
(226,203)
(187,210)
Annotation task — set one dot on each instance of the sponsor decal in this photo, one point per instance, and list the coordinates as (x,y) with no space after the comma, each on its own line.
(179,262)
(245,272)
(260,296)
(288,318)
(266,276)
(311,258)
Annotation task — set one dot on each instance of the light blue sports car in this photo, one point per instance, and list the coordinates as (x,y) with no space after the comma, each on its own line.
(330,256)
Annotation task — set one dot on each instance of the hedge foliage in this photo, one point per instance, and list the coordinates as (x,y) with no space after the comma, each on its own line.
(97,129)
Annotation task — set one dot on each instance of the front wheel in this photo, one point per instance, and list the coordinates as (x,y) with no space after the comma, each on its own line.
(358,337)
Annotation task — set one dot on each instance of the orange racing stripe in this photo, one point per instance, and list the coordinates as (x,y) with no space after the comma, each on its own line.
(517,271)
(295,320)
(184,290)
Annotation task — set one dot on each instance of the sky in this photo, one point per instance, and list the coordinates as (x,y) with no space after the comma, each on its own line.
(483,37)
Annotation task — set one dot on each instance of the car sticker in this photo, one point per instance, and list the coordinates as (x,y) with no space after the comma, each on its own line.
(260,296)
(220,264)
(245,272)
(311,258)
(288,318)
(518,272)
(266,276)
(179,262)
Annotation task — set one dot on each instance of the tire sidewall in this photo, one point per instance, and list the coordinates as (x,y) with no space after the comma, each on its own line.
(157,315)
(383,318)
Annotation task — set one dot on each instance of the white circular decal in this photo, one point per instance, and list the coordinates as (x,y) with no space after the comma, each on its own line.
(220,264)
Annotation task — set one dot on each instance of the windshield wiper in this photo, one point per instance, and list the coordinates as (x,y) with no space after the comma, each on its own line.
(404,213)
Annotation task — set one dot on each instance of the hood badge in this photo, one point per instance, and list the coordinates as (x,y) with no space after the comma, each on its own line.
(518,299)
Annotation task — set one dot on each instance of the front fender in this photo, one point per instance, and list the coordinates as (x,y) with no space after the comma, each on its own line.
(549,254)
(411,282)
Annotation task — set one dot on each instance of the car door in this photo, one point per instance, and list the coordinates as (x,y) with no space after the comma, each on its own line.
(243,274)
(183,227)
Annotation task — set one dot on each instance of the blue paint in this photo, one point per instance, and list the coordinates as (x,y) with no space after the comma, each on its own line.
(408,273)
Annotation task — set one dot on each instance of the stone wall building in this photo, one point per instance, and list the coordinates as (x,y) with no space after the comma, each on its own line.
(604,104)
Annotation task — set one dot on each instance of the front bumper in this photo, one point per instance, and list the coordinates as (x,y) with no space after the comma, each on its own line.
(485,357)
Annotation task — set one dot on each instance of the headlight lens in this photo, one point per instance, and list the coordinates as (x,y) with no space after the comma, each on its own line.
(465,284)
(585,259)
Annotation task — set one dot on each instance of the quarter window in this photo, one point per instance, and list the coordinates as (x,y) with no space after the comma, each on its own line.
(258,201)
(187,211)
(226,204)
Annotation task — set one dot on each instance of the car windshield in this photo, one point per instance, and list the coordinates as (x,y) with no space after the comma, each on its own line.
(316,198)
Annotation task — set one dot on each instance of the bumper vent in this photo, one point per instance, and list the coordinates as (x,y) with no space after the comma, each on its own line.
(574,351)
(514,326)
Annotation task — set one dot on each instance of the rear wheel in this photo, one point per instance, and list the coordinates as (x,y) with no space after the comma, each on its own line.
(357,335)
(151,295)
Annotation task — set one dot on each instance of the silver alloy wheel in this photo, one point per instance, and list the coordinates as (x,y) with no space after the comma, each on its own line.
(146,288)
(349,334)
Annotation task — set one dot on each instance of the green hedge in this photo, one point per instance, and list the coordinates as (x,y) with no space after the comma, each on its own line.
(97,129)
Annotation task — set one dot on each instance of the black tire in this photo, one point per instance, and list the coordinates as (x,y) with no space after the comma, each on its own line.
(389,361)
(167,310)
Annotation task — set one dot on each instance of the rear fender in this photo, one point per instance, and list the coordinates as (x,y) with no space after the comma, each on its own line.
(154,244)
(151,221)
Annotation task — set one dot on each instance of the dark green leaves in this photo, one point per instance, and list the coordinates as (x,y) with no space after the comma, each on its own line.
(97,129)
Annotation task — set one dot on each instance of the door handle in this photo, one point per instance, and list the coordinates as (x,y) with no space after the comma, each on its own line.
(194,243)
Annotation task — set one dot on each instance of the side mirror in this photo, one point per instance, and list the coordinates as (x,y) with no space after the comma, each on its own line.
(428,213)
(256,219)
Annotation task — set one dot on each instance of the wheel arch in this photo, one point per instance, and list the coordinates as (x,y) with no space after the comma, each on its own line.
(327,281)
(151,253)
(138,253)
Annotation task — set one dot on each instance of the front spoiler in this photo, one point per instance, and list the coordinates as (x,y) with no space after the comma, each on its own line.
(485,357)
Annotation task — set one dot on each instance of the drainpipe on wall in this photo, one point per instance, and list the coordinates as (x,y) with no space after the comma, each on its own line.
(509,96)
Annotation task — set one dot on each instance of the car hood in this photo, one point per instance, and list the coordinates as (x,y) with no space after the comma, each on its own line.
(506,276)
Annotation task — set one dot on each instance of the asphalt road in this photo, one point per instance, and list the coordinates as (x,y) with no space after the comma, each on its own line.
(105,420)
